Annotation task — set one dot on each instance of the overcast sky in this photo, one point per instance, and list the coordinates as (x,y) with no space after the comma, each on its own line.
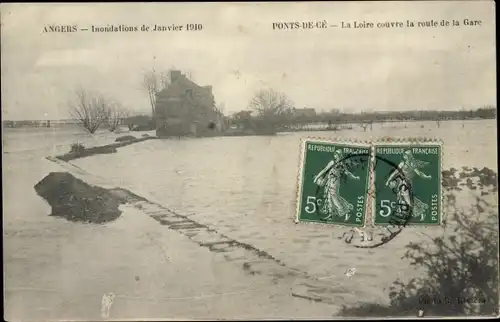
(237,52)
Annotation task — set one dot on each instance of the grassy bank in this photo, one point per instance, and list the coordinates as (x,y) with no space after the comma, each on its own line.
(461,265)
(79,151)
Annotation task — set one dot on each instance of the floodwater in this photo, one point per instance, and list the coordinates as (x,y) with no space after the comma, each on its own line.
(246,188)
(54,140)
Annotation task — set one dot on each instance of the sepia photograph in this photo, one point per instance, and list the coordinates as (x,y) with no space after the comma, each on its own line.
(249,160)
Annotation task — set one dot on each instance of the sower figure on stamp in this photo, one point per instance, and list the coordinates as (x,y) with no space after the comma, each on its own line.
(401,179)
(330,179)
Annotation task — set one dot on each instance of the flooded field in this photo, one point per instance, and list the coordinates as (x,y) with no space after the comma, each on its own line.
(245,188)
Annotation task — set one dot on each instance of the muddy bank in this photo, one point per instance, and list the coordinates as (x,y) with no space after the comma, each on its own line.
(125,138)
(75,200)
(104,149)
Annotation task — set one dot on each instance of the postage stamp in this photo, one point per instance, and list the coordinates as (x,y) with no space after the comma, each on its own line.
(408,182)
(333,182)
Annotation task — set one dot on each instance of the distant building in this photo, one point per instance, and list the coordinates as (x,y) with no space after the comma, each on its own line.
(241,120)
(304,112)
(185,108)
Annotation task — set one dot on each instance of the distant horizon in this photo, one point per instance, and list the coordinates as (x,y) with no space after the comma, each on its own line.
(318,112)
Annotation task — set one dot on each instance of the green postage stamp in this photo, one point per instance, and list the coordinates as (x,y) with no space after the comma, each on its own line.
(334,180)
(393,182)
(407,176)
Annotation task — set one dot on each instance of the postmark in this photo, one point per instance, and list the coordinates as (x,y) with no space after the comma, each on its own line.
(400,191)
(412,186)
(376,236)
(333,182)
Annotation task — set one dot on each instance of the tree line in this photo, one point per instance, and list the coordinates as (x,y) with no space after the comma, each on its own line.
(277,110)
(267,109)
(488,112)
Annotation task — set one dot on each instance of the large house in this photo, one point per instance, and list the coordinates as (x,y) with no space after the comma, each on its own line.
(185,108)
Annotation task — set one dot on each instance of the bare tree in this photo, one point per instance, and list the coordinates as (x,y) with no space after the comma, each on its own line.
(269,103)
(115,112)
(154,82)
(125,117)
(89,110)
(274,109)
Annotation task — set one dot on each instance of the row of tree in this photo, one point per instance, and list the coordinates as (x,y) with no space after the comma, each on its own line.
(267,109)
(91,110)
(488,112)
(277,110)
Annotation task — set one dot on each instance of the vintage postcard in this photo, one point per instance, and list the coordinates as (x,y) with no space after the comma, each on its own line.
(249,161)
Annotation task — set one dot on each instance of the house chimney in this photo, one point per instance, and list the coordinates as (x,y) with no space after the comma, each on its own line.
(174,75)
